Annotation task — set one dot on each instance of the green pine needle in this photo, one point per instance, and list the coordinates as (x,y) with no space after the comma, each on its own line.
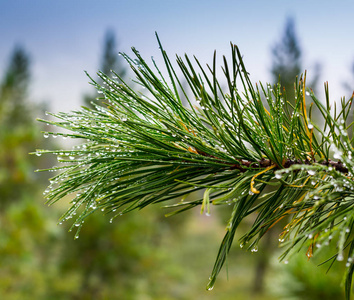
(244,145)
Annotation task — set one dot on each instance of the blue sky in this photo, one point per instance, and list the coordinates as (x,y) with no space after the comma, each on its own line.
(64,37)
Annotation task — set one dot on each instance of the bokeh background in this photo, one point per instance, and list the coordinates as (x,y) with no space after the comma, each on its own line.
(45,48)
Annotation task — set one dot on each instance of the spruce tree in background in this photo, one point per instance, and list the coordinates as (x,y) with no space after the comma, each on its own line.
(27,241)
(110,61)
(271,163)
(287,58)
(18,132)
(287,61)
(14,90)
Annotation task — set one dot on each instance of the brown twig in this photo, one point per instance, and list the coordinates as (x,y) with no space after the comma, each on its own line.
(244,165)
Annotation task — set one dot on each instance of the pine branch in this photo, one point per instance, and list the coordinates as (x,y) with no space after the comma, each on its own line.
(266,157)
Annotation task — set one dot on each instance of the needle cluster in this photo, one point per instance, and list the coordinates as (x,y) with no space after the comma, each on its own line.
(241,144)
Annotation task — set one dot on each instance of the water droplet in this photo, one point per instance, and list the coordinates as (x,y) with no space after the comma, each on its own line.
(55,135)
(278,176)
(255,249)
(311,172)
(38,153)
(307,93)
(286,262)
(340,257)
(46,135)
(338,155)
(77,224)
(210,288)
(310,126)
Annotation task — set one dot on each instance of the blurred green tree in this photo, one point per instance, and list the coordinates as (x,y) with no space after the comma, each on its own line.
(286,57)
(110,62)
(287,61)
(26,231)
(292,280)
(14,90)
(18,133)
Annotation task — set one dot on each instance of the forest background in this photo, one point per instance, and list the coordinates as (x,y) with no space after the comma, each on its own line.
(142,255)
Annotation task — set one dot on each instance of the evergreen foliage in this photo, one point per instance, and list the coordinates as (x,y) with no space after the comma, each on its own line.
(27,231)
(18,132)
(147,148)
(14,89)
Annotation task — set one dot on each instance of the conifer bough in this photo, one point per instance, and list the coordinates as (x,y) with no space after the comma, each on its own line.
(244,145)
